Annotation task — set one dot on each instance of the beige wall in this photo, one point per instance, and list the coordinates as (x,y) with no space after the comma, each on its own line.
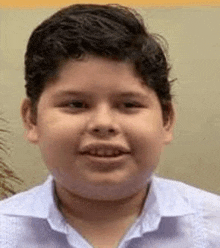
(193,35)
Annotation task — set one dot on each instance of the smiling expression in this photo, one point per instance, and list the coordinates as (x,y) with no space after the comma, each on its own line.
(99,129)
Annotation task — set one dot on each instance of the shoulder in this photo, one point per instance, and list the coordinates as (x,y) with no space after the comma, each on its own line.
(20,203)
(33,202)
(23,216)
(196,198)
(206,206)
(184,189)
(25,231)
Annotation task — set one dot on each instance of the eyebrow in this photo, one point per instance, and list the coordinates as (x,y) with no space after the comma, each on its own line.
(70,93)
(133,94)
(122,94)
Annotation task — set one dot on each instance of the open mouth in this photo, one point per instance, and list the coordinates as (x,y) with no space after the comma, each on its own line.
(105,156)
(104,153)
(104,150)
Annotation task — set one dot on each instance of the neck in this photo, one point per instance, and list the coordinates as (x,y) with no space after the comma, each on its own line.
(95,220)
(73,206)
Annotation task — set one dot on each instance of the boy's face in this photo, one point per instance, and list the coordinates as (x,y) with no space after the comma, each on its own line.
(99,129)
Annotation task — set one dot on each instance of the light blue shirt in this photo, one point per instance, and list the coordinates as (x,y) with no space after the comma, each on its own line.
(175,215)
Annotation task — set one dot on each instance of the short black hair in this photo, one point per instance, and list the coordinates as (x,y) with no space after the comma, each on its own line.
(111,31)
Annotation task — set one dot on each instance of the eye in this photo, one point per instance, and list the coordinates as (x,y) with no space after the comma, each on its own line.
(74,105)
(77,104)
(132,104)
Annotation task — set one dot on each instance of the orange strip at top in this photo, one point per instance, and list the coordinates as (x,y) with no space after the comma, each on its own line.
(150,3)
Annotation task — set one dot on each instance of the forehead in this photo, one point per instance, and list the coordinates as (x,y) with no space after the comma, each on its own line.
(97,78)
(95,73)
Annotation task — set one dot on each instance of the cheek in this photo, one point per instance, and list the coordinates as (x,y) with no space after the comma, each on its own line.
(144,130)
(146,140)
(55,151)
(59,127)
(59,142)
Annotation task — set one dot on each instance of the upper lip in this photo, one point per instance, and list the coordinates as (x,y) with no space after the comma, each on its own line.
(106,146)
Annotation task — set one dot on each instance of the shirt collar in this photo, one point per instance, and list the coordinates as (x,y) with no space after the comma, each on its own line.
(32,203)
(39,202)
(163,200)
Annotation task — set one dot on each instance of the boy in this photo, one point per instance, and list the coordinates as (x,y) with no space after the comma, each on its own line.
(100,109)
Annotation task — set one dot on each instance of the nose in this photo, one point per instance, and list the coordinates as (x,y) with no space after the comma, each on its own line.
(103,123)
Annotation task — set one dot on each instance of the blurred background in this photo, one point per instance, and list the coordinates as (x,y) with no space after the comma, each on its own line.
(193,35)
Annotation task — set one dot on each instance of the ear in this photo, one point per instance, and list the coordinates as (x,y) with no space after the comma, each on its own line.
(29,121)
(169,123)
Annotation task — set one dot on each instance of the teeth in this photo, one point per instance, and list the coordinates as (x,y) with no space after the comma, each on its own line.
(116,152)
(100,152)
(109,152)
(104,152)
(93,152)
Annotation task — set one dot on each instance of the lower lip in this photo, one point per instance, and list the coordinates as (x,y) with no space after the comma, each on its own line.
(108,162)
